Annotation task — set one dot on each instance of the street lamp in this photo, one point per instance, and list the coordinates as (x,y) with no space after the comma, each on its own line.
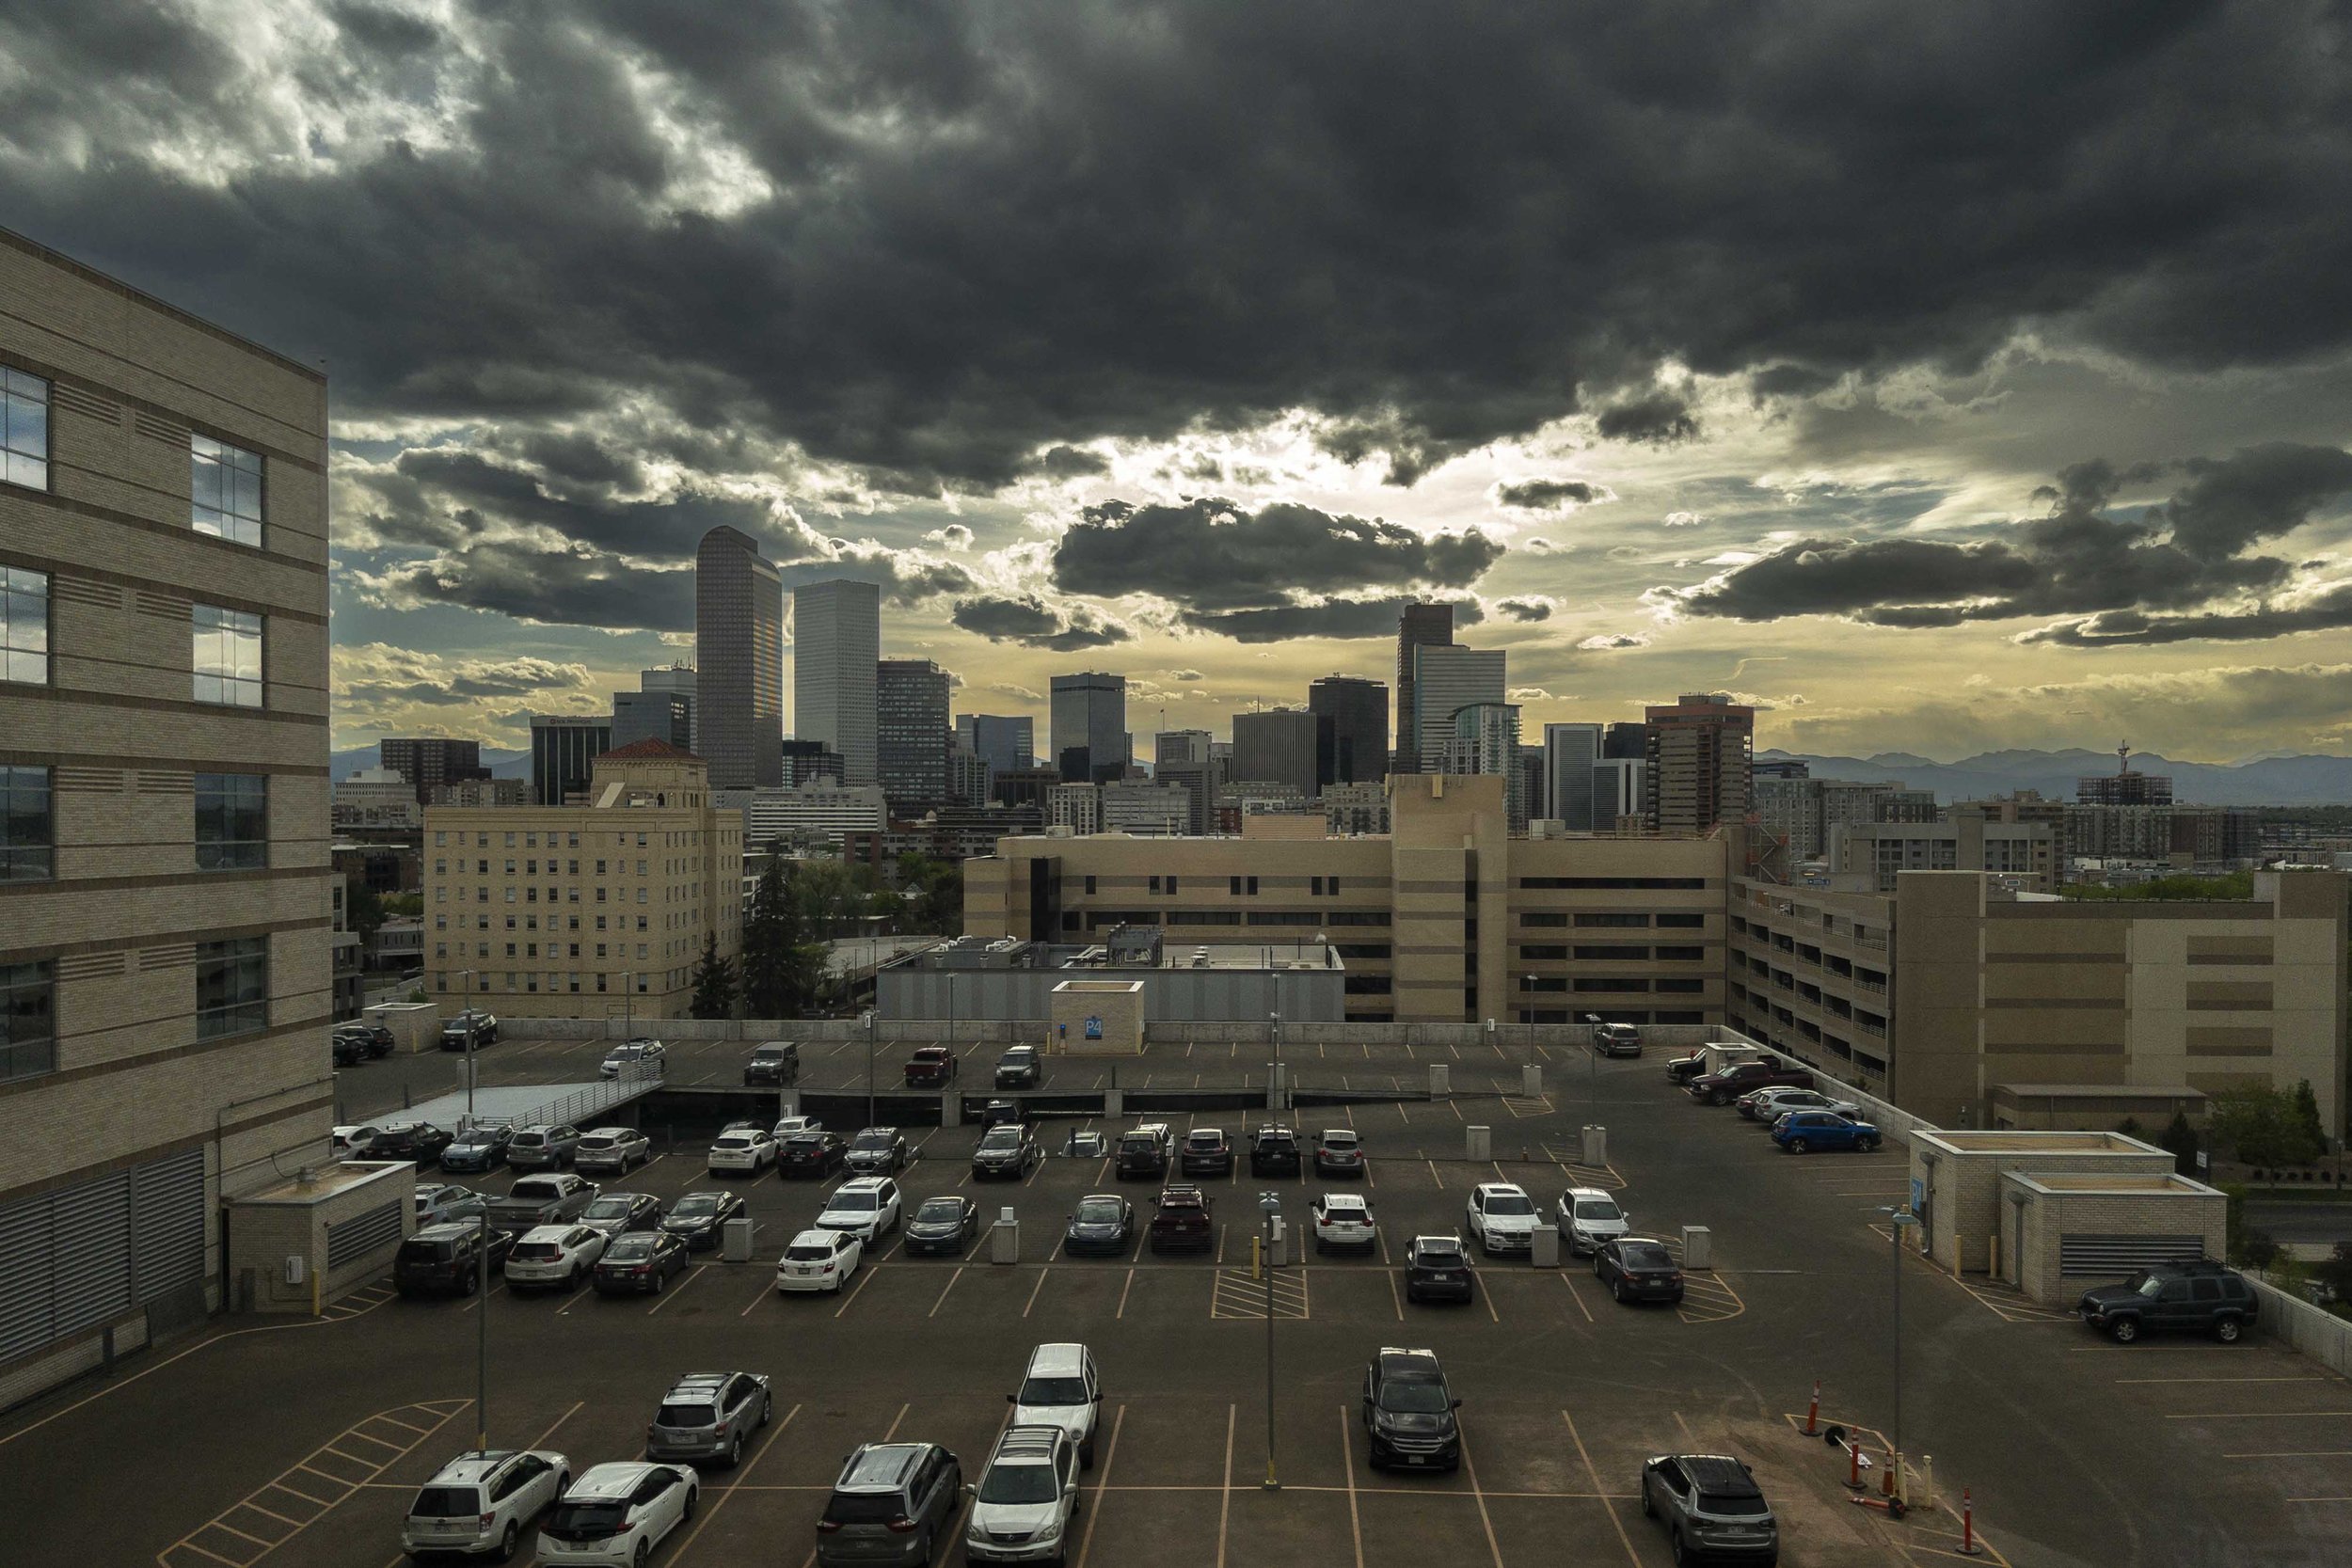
(1531,1020)
(1902,1217)
(869,1066)
(1273,1069)
(1592,1060)
(1270,1206)
(482,1268)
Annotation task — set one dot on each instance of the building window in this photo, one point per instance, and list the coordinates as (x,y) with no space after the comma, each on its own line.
(228,657)
(232,986)
(29,1020)
(24,625)
(231,821)
(23,429)
(28,835)
(1314,888)
(225,490)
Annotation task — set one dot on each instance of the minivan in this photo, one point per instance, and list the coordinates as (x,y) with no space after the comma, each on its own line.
(1143,1152)
(1061,1389)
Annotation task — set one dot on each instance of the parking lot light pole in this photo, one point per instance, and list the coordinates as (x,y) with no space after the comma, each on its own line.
(869,1066)
(1270,1205)
(1274,1070)
(1901,1217)
(1531,1020)
(1592,1061)
(482,1269)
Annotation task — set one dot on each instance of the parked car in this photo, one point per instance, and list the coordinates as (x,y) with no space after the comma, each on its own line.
(379,1040)
(1721,1088)
(346,1050)
(818,1154)
(711,1416)
(1408,1411)
(447,1258)
(1438,1268)
(892,1503)
(554,1255)
(819,1260)
(699,1219)
(418,1141)
(865,1206)
(1711,1508)
(1681,1070)
(742,1151)
(1638,1268)
(542,1148)
(1061,1389)
(1274,1151)
(1007,1151)
(942,1224)
(638,1262)
(1019,1067)
(617,1515)
(1769,1105)
(1086,1143)
(1339,1152)
(468,1028)
(1143,1152)
(479,1503)
(434,1198)
(2201,1297)
(1802,1132)
(877,1151)
(998,1113)
(775,1063)
(787,1126)
(1617,1040)
(931,1067)
(613,1148)
(646,1059)
(346,1142)
(1501,1217)
(1180,1222)
(1343,1220)
(615,1214)
(479,1150)
(1102,1223)
(1023,1502)
(1206,1152)
(1587,1217)
(534,1200)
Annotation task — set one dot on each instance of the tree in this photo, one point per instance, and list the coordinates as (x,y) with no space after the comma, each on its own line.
(2180,1139)
(2264,1127)
(931,895)
(2304,1111)
(714,983)
(783,970)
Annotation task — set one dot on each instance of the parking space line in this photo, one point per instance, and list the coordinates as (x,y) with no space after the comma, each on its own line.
(943,1292)
(667,1295)
(1488,1297)
(2251,1415)
(1594,1472)
(1102,1485)
(1038,1287)
(1122,1302)
(297,1523)
(1470,1469)
(765,1290)
(1347,1459)
(2294,1453)
(1225,1502)
(1394,1300)
(850,1299)
(1576,1295)
(721,1501)
(281,1486)
(1433,1174)
(2135,1380)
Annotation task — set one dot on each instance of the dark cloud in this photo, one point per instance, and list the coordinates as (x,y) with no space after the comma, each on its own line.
(1790,381)
(1340,619)
(2077,559)
(2327,610)
(1064,462)
(1548,494)
(574,585)
(1660,418)
(933,239)
(1613,642)
(1032,623)
(906,578)
(1525,609)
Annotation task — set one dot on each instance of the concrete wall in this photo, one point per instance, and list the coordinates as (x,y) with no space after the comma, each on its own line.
(2044,1219)
(913,994)
(2296,1322)
(1512,1037)
(284,1221)
(1962,1185)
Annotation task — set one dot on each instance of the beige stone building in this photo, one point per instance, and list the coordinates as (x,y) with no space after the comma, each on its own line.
(581,912)
(1950,999)
(165,925)
(1444,918)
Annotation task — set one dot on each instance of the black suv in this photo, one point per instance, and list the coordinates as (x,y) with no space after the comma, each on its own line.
(1408,1411)
(2205,1297)
(447,1258)
(1019,1068)
(1207,1151)
(1713,1508)
(777,1062)
(1274,1151)
(420,1141)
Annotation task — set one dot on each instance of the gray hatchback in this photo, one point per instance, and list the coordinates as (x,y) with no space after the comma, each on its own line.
(1713,1508)
(709,1416)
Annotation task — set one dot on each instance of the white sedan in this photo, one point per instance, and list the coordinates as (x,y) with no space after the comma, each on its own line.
(749,1149)
(820,1260)
(1345,1220)
(555,1255)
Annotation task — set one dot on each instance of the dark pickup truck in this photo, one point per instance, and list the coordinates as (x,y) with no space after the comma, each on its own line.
(1181,1223)
(1721,1088)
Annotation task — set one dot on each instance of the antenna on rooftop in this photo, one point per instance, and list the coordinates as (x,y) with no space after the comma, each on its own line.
(2123,757)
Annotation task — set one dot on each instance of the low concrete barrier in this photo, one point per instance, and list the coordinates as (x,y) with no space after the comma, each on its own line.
(2322,1336)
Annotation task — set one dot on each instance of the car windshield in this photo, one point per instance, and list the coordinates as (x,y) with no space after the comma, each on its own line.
(768,1054)
(1018,1483)
(531,1140)
(445,1502)
(809,1252)
(874,1140)
(1099,1210)
(537,1252)
(738,1140)
(597,1141)
(1053,1391)
(1509,1203)
(695,1205)
(1598,1209)
(629,1249)
(855,1202)
(1337,1210)
(622,1052)
(2150,1285)
(1743,1505)
(862,1507)
(1647,1258)
(587,1521)
(1203,1140)
(1439,1252)
(415,1251)
(806,1140)
(940,1210)
(609,1208)
(686,1416)
(1002,1138)
(1413,1398)
(1338,1140)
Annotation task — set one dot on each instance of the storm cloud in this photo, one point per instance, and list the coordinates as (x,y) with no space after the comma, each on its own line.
(1548,494)
(1034,624)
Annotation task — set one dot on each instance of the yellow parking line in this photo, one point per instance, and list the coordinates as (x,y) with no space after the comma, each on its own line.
(1123,1299)
(2251,1415)
(1225,1505)
(1577,1296)
(1480,1498)
(2132,1379)
(297,1523)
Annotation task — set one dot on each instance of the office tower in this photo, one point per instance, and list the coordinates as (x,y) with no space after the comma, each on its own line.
(1421,626)
(1277,746)
(426,762)
(1700,752)
(1625,740)
(1181,746)
(1004,741)
(1024,786)
(1146,807)
(805,760)
(1618,790)
(837,644)
(911,732)
(739,644)
(1447,676)
(1353,745)
(166,974)
(681,680)
(1076,806)
(1485,739)
(663,715)
(1570,752)
(967,776)
(1531,782)
(563,748)
(1088,714)
(1200,787)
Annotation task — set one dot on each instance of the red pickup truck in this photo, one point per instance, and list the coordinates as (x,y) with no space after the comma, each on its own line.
(1721,1088)
(1181,1223)
(931,1066)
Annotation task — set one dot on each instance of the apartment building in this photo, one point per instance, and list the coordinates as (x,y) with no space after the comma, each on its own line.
(566,912)
(1698,753)
(821,812)
(165,896)
(1946,994)
(1446,917)
(1871,855)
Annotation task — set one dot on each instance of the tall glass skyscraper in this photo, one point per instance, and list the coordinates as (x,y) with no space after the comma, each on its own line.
(1089,726)
(738,646)
(836,643)
(1352,740)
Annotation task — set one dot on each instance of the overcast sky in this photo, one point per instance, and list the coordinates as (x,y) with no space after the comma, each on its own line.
(1940,377)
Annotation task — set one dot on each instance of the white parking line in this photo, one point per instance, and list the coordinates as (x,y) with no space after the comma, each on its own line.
(721,1501)
(943,1289)
(1479,1495)
(1122,1301)
(667,1295)
(1102,1483)
(1035,1288)
(1225,1502)
(1591,1470)
(1347,1458)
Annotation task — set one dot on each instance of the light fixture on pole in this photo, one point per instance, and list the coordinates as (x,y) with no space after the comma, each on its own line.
(1531,1020)
(1899,1218)
(1270,1206)
(869,1066)
(1274,1070)
(482,1268)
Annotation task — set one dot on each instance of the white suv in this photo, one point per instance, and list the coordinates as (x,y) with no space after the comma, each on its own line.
(742,1148)
(1502,1217)
(1022,1508)
(555,1255)
(615,1515)
(1589,1218)
(865,1207)
(1343,1220)
(480,1503)
(613,1149)
(1063,1389)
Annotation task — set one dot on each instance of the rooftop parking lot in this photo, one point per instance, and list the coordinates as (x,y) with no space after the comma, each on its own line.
(267,1442)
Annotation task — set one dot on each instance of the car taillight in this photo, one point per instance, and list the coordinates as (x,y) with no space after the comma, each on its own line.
(903,1525)
(828,1527)
(1675,1277)
(484,1521)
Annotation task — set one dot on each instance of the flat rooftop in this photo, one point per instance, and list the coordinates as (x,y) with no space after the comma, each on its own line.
(1125,948)
(2022,1141)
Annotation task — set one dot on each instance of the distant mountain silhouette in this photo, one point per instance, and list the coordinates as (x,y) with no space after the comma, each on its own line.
(2264,781)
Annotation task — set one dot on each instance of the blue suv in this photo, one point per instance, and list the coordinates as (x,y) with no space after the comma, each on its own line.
(1802,1132)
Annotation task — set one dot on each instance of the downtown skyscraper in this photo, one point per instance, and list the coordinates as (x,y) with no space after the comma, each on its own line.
(837,644)
(738,646)
(1421,626)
